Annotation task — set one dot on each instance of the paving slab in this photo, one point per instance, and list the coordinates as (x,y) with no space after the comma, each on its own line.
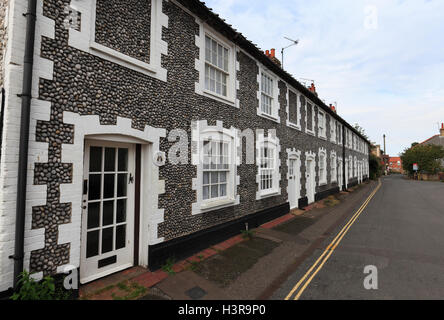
(188,285)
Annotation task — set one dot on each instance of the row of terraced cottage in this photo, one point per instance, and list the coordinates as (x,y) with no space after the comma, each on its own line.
(155,131)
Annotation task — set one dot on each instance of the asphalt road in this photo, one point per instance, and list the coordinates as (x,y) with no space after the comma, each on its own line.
(401,233)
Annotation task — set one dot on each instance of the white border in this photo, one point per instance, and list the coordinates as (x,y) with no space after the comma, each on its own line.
(324,136)
(233,66)
(199,130)
(151,186)
(323,180)
(276,106)
(308,131)
(260,141)
(38,151)
(290,124)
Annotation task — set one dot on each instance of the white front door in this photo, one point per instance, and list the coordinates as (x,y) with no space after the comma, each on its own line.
(311,181)
(346,173)
(108,209)
(294,181)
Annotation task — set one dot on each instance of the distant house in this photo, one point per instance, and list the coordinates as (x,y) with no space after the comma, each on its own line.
(437,139)
(395,165)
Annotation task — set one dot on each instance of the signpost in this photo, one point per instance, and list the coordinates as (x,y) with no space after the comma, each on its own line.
(416,169)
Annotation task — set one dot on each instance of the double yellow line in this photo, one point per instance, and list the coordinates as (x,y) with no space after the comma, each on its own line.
(328,251)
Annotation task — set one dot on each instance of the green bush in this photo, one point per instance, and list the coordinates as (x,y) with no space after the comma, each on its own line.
(29,289)
(375,167)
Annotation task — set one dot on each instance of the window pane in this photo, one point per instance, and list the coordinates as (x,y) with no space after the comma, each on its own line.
(223,177)
(92,244)
(121,211)
(93,215)
(223,190)
(214,177)
(108,213)
(121,237)
(110,159)
(205,193)
(95,159)
(107,240)
(94,186)
(122,185)
(123,159)
(214,191)
(108,186)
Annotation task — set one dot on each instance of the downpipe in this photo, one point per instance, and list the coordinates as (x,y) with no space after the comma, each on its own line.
(25,96)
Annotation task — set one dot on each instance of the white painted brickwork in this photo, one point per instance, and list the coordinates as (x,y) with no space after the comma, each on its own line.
(38,152)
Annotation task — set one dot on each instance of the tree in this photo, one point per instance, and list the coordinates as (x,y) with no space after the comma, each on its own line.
(375,167)
(414,144)
(428,158)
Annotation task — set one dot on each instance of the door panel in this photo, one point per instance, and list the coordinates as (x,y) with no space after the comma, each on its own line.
(108,209)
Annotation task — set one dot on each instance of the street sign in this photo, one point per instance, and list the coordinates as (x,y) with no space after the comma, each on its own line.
(415,167)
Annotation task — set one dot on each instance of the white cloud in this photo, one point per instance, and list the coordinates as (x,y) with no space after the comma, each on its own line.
(388,80)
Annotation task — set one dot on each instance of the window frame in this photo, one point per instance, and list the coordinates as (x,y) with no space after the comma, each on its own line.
(272,143)
(322,175)
(333,130)
(216,134)
(313,120)
(322,134)
(298,109)
(231,98)
(275,105)
(334,167)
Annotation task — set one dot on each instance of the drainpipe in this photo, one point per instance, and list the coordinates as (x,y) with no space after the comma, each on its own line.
(2,118)
(28,62)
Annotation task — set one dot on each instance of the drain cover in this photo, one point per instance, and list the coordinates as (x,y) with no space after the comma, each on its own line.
(196,293)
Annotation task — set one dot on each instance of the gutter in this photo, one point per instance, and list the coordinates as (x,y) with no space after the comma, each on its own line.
(28,63)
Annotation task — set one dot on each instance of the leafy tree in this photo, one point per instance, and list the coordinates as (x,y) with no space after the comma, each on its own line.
(428,158)
(375,167)
(414,144)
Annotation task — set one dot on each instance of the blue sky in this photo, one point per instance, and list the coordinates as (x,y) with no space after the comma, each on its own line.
(387,76)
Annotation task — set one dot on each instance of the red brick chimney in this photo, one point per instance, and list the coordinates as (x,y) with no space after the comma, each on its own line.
(272,55)
(441,131)
(312,88)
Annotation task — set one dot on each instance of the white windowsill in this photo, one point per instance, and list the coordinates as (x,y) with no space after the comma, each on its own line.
(294,126)
(267,116)
(216,204)
(268,194)
(218,97)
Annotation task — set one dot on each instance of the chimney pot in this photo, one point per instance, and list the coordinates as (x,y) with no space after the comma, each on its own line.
(273,52)
(441,131)
(267,53)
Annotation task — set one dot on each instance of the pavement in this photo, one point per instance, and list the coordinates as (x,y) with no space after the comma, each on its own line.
(263,267)
(400,233)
